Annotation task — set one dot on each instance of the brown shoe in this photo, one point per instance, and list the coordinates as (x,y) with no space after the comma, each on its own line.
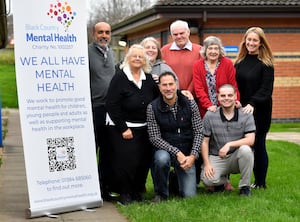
(228,186)
(210,189)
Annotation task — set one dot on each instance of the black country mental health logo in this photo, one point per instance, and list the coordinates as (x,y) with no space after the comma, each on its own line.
(62,13)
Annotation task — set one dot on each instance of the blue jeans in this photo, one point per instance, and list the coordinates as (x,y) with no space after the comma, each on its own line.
(160,175)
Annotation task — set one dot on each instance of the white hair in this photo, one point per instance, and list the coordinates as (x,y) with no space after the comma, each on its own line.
(179,23)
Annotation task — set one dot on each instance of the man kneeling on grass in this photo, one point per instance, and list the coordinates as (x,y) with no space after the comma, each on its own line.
(228,135)
(175,130)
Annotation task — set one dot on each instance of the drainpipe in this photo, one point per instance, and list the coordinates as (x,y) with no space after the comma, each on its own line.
(201,32)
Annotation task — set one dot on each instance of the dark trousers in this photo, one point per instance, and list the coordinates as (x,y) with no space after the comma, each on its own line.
(261,160)
(102,146)
(198,164)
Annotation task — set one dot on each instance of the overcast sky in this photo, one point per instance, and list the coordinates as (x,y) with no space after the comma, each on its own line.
(88,4)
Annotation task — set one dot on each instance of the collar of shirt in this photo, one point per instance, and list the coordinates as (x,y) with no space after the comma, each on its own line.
(174,108)
(234,118)
(165,107)
(103,50)
(188,46)
(127,72)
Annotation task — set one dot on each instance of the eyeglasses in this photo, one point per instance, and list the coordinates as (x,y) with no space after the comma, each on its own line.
(137,56)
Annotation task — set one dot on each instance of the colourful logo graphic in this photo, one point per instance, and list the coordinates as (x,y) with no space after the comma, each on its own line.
(63,13)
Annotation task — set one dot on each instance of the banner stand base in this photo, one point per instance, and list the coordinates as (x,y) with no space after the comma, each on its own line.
(52,212)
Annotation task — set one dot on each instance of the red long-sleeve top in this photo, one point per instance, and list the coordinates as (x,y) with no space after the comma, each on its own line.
(225,73)
(181,61)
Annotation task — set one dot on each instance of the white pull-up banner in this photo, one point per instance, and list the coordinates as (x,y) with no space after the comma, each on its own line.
(53,85)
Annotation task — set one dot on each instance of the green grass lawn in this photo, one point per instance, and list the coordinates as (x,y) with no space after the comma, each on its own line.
(279,202)
(285,127)
(8,88)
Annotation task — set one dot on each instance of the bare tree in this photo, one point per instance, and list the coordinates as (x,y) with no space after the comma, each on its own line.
(113,11)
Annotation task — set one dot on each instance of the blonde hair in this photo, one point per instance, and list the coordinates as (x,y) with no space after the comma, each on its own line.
(265,54)
(152,39)
(146,67)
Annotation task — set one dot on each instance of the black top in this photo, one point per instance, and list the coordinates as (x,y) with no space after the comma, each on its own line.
(255,83)
(126,102)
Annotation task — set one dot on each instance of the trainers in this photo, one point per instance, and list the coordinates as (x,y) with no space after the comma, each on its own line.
(158,199)
(228,186)
(245,191)
(255,186)
(109,196)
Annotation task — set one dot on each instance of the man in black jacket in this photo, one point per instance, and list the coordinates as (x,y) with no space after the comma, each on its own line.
(175,130)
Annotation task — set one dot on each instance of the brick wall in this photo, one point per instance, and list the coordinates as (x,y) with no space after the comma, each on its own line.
(284,38)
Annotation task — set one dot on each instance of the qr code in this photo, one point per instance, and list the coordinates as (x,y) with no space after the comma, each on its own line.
(61,154)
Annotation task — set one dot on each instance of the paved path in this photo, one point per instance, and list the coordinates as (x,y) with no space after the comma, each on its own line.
(291,137)
(13,187)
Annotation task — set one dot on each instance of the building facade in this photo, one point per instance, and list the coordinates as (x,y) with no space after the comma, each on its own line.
(229,20)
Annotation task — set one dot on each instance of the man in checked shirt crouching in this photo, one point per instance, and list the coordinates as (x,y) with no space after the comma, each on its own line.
(175,130)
